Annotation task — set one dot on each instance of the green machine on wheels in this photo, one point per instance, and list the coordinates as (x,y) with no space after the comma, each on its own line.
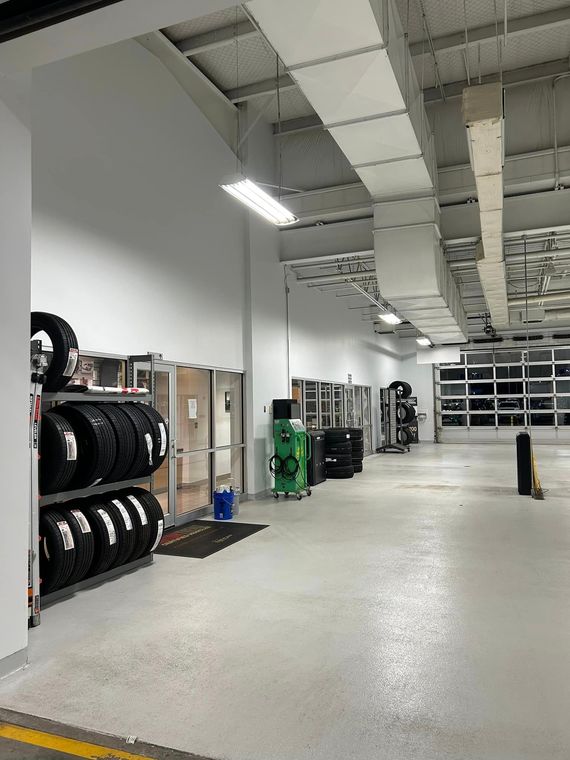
(289,463)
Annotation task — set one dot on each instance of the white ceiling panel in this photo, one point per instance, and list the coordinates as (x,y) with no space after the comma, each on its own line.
(351,88)
(377,139)
(397,178)
(308,30)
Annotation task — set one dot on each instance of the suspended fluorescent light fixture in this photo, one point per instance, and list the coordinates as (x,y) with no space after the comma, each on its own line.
(390,318)
(258,200)
(423,341)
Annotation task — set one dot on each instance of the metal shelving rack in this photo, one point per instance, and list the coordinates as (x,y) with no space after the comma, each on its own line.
(390,421)
(38,402)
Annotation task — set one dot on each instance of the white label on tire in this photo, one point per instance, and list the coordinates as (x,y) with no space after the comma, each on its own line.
(96,482)
(158,535)
(82,520)
(124,514)
(109,525)
(65,531)
(71,444)
(162,428)
(138,506)
(72,358)
(148,439)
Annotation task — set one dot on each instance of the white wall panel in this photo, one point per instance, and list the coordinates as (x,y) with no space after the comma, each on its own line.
(15,247)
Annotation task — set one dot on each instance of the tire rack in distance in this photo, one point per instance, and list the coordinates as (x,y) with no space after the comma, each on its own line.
(391,424)
(38,402)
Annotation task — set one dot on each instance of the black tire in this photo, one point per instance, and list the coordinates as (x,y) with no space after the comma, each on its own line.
(358,467)
(337,473)
(339,448)
(141,525)
(57,550)
(155,517)
(65,348)
(404,388)
(84,543)
(336,435)
(159,432)
(96,444)
(125,531)
(140,429)
(105,537)
(58,450)
(358,446)
(404,436)
(356,434)
(407,413)
(124,440)
(338,460)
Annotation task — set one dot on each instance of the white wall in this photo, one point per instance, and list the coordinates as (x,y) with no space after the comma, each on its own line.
(329,341)
(133,242)
(15,227)
(420,377)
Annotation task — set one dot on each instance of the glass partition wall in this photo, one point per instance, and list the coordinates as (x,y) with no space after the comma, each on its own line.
(325,404)
(492,395)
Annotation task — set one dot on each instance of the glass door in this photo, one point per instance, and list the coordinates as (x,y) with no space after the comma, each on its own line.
(338,405)
(193,441)
(367,421)
(349,406)
(147,373)
(326,404)
(357,406)
(311,405)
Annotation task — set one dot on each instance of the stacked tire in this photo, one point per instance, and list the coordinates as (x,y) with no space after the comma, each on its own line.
(85,444)
(357,443)
(338,453)
(86,537)
(407,417)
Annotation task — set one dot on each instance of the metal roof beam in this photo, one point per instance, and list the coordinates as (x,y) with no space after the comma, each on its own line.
(227,35)
(510,78)
(260,89)
(516,26)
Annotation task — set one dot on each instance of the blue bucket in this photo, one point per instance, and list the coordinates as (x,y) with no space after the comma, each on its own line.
(223,504)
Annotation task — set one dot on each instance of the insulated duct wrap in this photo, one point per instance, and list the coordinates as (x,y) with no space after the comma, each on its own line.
(352,62)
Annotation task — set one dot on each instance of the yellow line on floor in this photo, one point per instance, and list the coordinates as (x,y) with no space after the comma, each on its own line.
(62,744)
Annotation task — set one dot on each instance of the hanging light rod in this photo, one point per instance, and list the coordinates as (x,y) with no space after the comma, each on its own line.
(249,193)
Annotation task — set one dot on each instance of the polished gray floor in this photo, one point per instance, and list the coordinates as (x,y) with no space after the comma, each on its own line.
(421,610)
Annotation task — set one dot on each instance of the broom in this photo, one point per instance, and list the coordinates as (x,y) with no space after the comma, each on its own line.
(536,491)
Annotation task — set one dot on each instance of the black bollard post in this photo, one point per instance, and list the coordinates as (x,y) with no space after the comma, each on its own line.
(524,464)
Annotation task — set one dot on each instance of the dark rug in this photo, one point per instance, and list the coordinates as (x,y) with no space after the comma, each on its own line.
(201,538)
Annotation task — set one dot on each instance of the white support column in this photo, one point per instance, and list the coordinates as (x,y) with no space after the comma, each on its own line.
(15,263)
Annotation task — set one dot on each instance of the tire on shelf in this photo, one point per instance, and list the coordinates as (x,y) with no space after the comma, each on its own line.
(142,433)
(84,542)
(340,472)
(58,448)
(124,439)
(141,524)
(65,348)
(404,436)
(358,467)
(125,530)
(403,387)
(105,536)
(57,550)
(96,445)
(407,413)
(155,516)
(159,434)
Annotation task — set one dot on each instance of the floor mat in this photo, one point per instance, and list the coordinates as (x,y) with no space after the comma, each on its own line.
(202,538)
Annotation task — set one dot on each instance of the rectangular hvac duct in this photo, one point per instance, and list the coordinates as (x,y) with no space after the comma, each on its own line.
(352,62)
(483,118)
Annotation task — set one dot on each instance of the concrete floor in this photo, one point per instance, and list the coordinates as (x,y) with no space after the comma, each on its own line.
(421,610)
